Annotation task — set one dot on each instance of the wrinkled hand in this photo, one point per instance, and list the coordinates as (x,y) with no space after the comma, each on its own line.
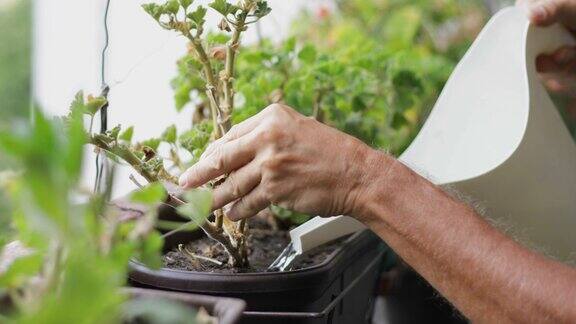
(283,158)
(558,69)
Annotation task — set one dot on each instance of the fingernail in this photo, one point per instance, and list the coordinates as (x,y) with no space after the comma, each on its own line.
(183,180)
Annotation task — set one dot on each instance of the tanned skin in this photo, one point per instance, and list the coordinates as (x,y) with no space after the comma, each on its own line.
(281,157)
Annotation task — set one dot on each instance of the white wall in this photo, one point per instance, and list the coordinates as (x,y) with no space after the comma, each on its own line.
(141,63)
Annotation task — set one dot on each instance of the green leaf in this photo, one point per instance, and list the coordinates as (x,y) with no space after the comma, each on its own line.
(217,38)
(197,138)
(13,145)
(152,143)
(150,253)
(20,270)
(262,9)
(291,216)
(128,134)
(308,53)
(154,10)
(223,7)
(186,3)
(172,6)
(402,26)
(399,121)
(114,132)
(198,15)
(74,154)
(198,205)
(93,105)
(289,45)
(406,80)
(78,103)
(150,195)
(170,135)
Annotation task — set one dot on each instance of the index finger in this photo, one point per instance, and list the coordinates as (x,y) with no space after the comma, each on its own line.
(225,159)
(235,132)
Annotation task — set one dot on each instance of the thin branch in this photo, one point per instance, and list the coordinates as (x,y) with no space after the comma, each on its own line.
(135,181)
(185,251)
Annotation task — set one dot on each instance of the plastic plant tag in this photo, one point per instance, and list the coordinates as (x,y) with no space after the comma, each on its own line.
(496,135)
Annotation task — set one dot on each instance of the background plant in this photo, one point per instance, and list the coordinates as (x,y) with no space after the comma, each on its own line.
(370,68)
(15,59)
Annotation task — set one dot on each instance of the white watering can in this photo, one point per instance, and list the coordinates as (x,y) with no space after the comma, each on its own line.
(494,134)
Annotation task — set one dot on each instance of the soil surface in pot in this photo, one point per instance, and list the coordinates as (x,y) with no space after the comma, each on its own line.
(264,246)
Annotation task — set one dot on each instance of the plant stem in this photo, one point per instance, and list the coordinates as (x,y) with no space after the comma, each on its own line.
(100,141)
(229,71)
(91,124)
(227,78)
(318,113)
(219,218)
(216,234)
(211,84)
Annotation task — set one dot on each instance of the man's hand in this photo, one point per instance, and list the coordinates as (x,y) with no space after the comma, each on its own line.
(281,157)
(548,12)
(558,69)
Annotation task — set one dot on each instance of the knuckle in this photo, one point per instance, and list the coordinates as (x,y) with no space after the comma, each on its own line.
(216,165)
(270,134)
(269,195)
(232,132)
(271,166)
(279,111)
(275,108)
(272,192)
(273,186)
(234,188)
(249,205)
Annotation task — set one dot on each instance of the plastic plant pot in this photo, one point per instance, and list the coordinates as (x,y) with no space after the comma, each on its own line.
(340,290)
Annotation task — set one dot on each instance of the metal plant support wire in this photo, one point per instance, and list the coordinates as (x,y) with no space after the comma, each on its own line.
(100,157)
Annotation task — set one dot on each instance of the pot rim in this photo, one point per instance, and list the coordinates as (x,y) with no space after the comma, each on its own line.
(215,283)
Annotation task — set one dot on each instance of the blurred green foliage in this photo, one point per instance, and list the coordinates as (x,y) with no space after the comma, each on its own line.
(15,70)
(15,59)
(76,254)
(405,51)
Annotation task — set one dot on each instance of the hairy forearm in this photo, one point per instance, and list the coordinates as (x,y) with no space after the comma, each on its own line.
(485,274)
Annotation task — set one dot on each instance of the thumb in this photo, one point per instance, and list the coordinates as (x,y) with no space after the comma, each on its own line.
(548,12)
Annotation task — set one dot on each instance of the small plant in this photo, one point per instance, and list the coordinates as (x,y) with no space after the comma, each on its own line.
(217,70)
